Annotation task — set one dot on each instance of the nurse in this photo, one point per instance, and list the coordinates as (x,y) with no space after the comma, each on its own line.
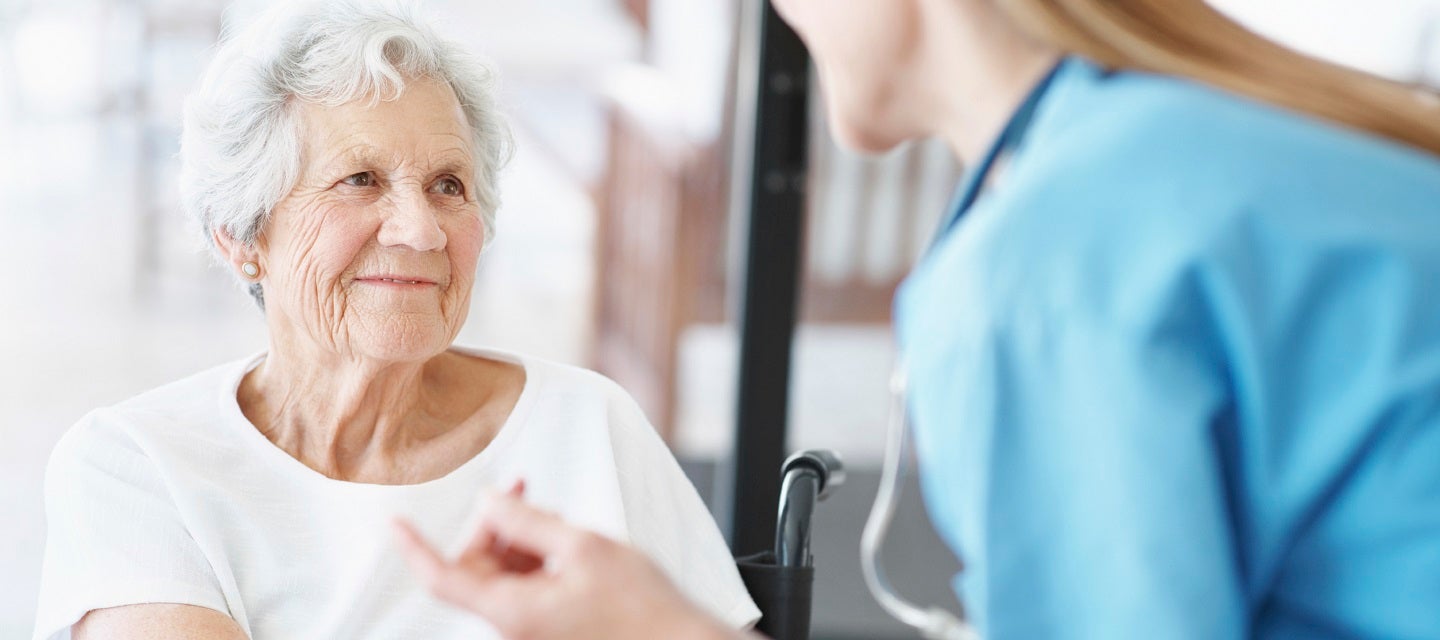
(1174,355)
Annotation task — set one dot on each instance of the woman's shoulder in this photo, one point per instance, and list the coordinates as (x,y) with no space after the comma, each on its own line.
(570,403)
(173,412)
(557,380)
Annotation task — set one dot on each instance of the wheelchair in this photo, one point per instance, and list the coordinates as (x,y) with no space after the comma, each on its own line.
(781,580)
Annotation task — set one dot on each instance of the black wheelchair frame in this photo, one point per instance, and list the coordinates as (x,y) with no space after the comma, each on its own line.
(781,580)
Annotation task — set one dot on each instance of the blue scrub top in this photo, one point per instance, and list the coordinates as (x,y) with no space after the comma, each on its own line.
(1177,374)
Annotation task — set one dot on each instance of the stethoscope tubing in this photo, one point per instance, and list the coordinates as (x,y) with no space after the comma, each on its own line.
(933,623)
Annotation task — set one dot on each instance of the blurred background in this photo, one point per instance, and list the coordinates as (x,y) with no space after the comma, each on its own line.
(615,249)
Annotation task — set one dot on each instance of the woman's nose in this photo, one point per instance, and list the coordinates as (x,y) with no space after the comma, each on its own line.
(411,222)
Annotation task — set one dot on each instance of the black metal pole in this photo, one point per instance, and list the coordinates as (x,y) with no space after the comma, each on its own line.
(772,263)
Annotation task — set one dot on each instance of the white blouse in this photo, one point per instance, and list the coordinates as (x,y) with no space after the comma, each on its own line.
(174,497)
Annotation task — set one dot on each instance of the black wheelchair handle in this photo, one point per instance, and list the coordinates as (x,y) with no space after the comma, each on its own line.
(824,461)
(807,477)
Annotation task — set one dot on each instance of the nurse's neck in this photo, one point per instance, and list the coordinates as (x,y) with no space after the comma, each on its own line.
(982,67)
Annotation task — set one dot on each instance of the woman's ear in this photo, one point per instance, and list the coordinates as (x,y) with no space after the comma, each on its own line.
(243,258)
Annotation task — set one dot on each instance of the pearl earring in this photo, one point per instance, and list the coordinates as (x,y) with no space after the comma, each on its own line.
(250,269)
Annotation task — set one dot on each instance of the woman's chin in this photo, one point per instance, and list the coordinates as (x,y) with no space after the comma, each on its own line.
(398,333)
(403,344)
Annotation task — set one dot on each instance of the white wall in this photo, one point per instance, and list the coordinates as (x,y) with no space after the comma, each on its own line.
(1395,38)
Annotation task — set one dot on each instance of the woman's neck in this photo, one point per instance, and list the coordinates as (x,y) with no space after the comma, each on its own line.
(991,66)
(339,414)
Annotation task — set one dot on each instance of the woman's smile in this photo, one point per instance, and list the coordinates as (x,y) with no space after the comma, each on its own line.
(401,282)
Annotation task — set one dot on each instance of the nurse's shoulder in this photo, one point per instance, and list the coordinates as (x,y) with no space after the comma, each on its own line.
(1130,187)
(1166,140)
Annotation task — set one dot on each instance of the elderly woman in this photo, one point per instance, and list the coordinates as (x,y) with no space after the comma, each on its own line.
(342,161)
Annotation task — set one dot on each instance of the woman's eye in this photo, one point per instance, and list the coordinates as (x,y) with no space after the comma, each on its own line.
(449,187)
(364,179)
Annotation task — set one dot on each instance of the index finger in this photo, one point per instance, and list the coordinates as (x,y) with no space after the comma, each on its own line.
(527,528)
(418,554)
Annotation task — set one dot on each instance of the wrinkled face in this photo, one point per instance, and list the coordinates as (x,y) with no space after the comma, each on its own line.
(863,52)
(373,253)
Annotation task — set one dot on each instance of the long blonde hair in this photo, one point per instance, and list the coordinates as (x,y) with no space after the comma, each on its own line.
(1191,39)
